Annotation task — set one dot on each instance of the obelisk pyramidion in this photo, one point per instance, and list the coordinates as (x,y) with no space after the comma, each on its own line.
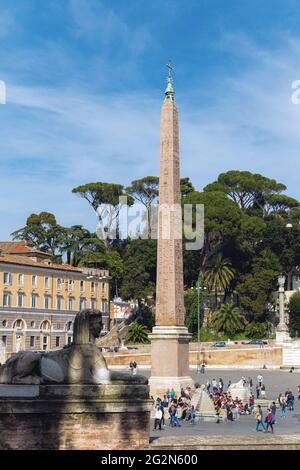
(169,338)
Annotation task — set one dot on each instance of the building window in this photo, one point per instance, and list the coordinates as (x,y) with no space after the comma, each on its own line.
(104,306)
(6,299)
(19,324)
(69,339)
(81,286)
(45,325)
(47,301)
(21,280)
(4,323)
(32,341)
(69,326)
(92,286)
(32,324)
(70,303)
(93,304)
(7,279)
(47,282)
(70,284)
(58,326)
(20,300)
(82,304)
(59,301)
(45,343)
(34,300)
(33,281)
(4,341)
(59,284)
(103,287)
(57,341)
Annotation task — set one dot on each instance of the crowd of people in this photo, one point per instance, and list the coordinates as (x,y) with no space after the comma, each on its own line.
(178,409)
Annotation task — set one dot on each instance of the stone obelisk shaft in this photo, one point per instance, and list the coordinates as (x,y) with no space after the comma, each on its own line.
(169,338)
(169,291)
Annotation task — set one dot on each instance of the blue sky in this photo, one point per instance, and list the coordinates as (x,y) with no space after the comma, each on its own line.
(85,82)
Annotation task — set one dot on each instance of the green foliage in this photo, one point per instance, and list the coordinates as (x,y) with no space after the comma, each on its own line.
(221,221)
(104,198)
(139,270)
(228,320)
(294,315)
(137,333)
(186,186)
(247,189)
(146,317)
(42,232)
(219,273)
(256,330)
(255,288)
(82,247)
(144,190)
(191,307)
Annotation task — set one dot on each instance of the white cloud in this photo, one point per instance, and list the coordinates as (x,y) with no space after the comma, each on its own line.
(53,139)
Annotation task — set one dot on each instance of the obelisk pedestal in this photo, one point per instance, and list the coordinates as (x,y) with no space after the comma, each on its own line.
(169,338)
(170,360)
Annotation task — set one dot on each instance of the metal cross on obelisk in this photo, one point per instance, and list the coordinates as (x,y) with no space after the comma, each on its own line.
(170,69)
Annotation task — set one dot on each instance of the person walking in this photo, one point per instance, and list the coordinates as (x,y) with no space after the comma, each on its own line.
(290,401)
(282,404)
(193,415)
(175,420)
(221,384)
(257,391)
(208,386)
(298,392)
(259,418)
(263,392)
(273,409)
(260,380)
(158,417)
(269,421)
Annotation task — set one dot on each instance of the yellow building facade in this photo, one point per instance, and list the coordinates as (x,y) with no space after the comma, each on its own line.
(39,299)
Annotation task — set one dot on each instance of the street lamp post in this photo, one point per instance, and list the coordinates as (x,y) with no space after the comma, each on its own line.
(198,351)
(282,333)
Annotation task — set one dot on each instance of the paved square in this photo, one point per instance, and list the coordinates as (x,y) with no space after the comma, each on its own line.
(276,381)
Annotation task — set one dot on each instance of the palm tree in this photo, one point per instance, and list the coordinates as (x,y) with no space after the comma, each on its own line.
(137,333)
(228,319)
(218,274)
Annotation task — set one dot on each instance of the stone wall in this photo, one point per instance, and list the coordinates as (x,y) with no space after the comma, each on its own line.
(75,417)
(227,357)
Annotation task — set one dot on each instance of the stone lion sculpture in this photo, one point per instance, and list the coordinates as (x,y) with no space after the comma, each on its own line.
(81,362)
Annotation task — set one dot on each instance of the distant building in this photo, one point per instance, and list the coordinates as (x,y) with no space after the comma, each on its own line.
(120,310)
(39,299)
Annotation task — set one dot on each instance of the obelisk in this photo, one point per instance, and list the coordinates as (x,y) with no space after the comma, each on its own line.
(169,338)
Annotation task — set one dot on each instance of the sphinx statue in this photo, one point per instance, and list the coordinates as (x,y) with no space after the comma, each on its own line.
(81,362)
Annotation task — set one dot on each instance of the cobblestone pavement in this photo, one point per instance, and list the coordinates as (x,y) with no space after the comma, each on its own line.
(276,381)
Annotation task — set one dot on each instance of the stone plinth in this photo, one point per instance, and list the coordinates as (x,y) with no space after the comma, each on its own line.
(282,336)
(76,417)
(170,359)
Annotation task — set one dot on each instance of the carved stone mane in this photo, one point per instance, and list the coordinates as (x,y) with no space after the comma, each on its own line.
(82,333)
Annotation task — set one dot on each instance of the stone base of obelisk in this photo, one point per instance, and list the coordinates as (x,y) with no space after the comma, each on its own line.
(169,360)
